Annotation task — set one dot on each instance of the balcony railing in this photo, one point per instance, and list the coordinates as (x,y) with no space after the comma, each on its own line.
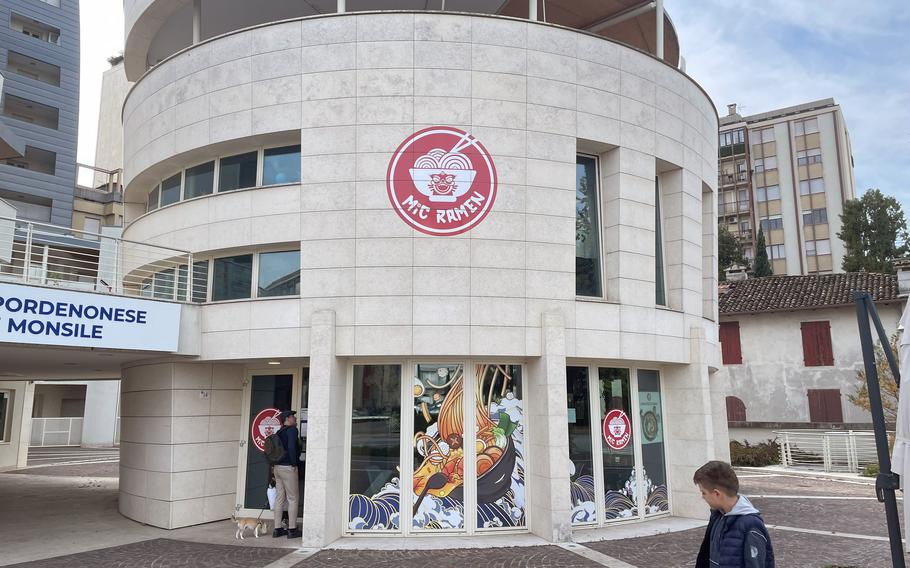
(47,255)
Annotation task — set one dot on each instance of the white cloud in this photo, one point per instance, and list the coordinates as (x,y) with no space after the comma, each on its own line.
(776,53)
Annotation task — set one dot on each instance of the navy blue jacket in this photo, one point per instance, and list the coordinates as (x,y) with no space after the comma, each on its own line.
(290,439)
(738,539)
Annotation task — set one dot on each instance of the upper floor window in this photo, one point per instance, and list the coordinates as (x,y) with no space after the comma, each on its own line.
(763,135)
(587,228)
(772,223)
(30,111)
(806,157)
(660,297)
(810,186)
(34,28)
(776,251)
(769,193)
(240,171)
(767,163)
(815,217)
(818,247)
(731,137)
(32,68)
(36,160)
(808,126)
(279,274)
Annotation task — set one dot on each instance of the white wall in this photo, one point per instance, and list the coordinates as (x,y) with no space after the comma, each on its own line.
(101,403)
(109,143)
(772,381)
(14,451)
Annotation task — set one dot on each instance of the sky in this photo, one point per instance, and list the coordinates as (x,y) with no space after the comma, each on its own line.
(762,55)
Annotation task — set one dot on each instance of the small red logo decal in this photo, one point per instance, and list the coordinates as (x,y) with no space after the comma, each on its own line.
(265,424)
(617,429)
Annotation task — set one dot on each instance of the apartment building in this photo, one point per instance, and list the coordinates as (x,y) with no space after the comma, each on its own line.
(39,60)
(789,172)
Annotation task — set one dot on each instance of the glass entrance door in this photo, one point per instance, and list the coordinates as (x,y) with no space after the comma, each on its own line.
(266,395)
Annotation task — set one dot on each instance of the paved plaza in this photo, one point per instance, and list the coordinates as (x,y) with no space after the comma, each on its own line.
(72,496)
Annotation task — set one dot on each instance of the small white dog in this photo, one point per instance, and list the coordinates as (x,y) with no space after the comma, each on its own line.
(257,525)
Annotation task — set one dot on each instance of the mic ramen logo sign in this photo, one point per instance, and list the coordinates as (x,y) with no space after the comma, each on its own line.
(442,181)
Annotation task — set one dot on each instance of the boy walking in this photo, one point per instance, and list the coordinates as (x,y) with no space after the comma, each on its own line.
(736,536)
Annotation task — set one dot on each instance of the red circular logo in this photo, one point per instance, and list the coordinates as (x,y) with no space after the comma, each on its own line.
(441,181)
(265,424)
(617,429)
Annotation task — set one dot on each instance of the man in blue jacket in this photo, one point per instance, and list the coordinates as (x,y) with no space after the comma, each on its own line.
(287,480)
(736,536)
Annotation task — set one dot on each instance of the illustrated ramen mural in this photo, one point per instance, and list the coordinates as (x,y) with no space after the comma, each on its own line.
(440,450)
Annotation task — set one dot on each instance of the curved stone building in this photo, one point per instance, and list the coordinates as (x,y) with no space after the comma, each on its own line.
(475,251)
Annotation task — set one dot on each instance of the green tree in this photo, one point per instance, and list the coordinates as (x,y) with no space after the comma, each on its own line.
(874,232)
(762,266)
(729,252)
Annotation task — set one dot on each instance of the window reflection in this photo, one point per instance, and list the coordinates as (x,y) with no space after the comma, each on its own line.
(581,454)
(279,273)
(199,180)
(587,229)
(170,190)
(237,172)
(232,277)
(281,165)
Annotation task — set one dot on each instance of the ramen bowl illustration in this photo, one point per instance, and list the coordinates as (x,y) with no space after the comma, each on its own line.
(442,176)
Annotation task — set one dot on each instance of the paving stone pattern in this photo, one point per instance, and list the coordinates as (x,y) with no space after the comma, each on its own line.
(515,557)
(163,552)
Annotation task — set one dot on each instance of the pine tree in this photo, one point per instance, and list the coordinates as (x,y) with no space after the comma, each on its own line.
(762,266)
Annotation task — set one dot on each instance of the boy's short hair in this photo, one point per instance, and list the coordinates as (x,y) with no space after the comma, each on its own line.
(717,475)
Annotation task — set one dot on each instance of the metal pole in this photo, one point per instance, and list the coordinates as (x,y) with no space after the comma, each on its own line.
(532,10)
(27,259)
(340,7)
(886,483)
(659,21)
(197,21)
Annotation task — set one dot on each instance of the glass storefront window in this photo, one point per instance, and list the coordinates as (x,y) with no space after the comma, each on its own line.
(581,454)
(237,172)
(438,474)
(618,447)
(375,476)
(499,447)
(199,180)
(653,472)
(587,229)
(170,190)
(281,165)
(279,274)
(232,278)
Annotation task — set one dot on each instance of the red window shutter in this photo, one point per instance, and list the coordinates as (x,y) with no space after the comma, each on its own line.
(826,352)
(730,348)
(817,350)
(825,405)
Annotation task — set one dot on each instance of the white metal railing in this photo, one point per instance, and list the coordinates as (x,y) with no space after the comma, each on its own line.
(56,431)
(49,255)
(844,450)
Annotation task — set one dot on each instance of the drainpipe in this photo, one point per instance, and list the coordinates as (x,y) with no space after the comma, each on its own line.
(532,10)
(341,9)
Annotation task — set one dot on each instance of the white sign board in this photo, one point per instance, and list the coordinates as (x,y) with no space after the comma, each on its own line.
(47,316)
